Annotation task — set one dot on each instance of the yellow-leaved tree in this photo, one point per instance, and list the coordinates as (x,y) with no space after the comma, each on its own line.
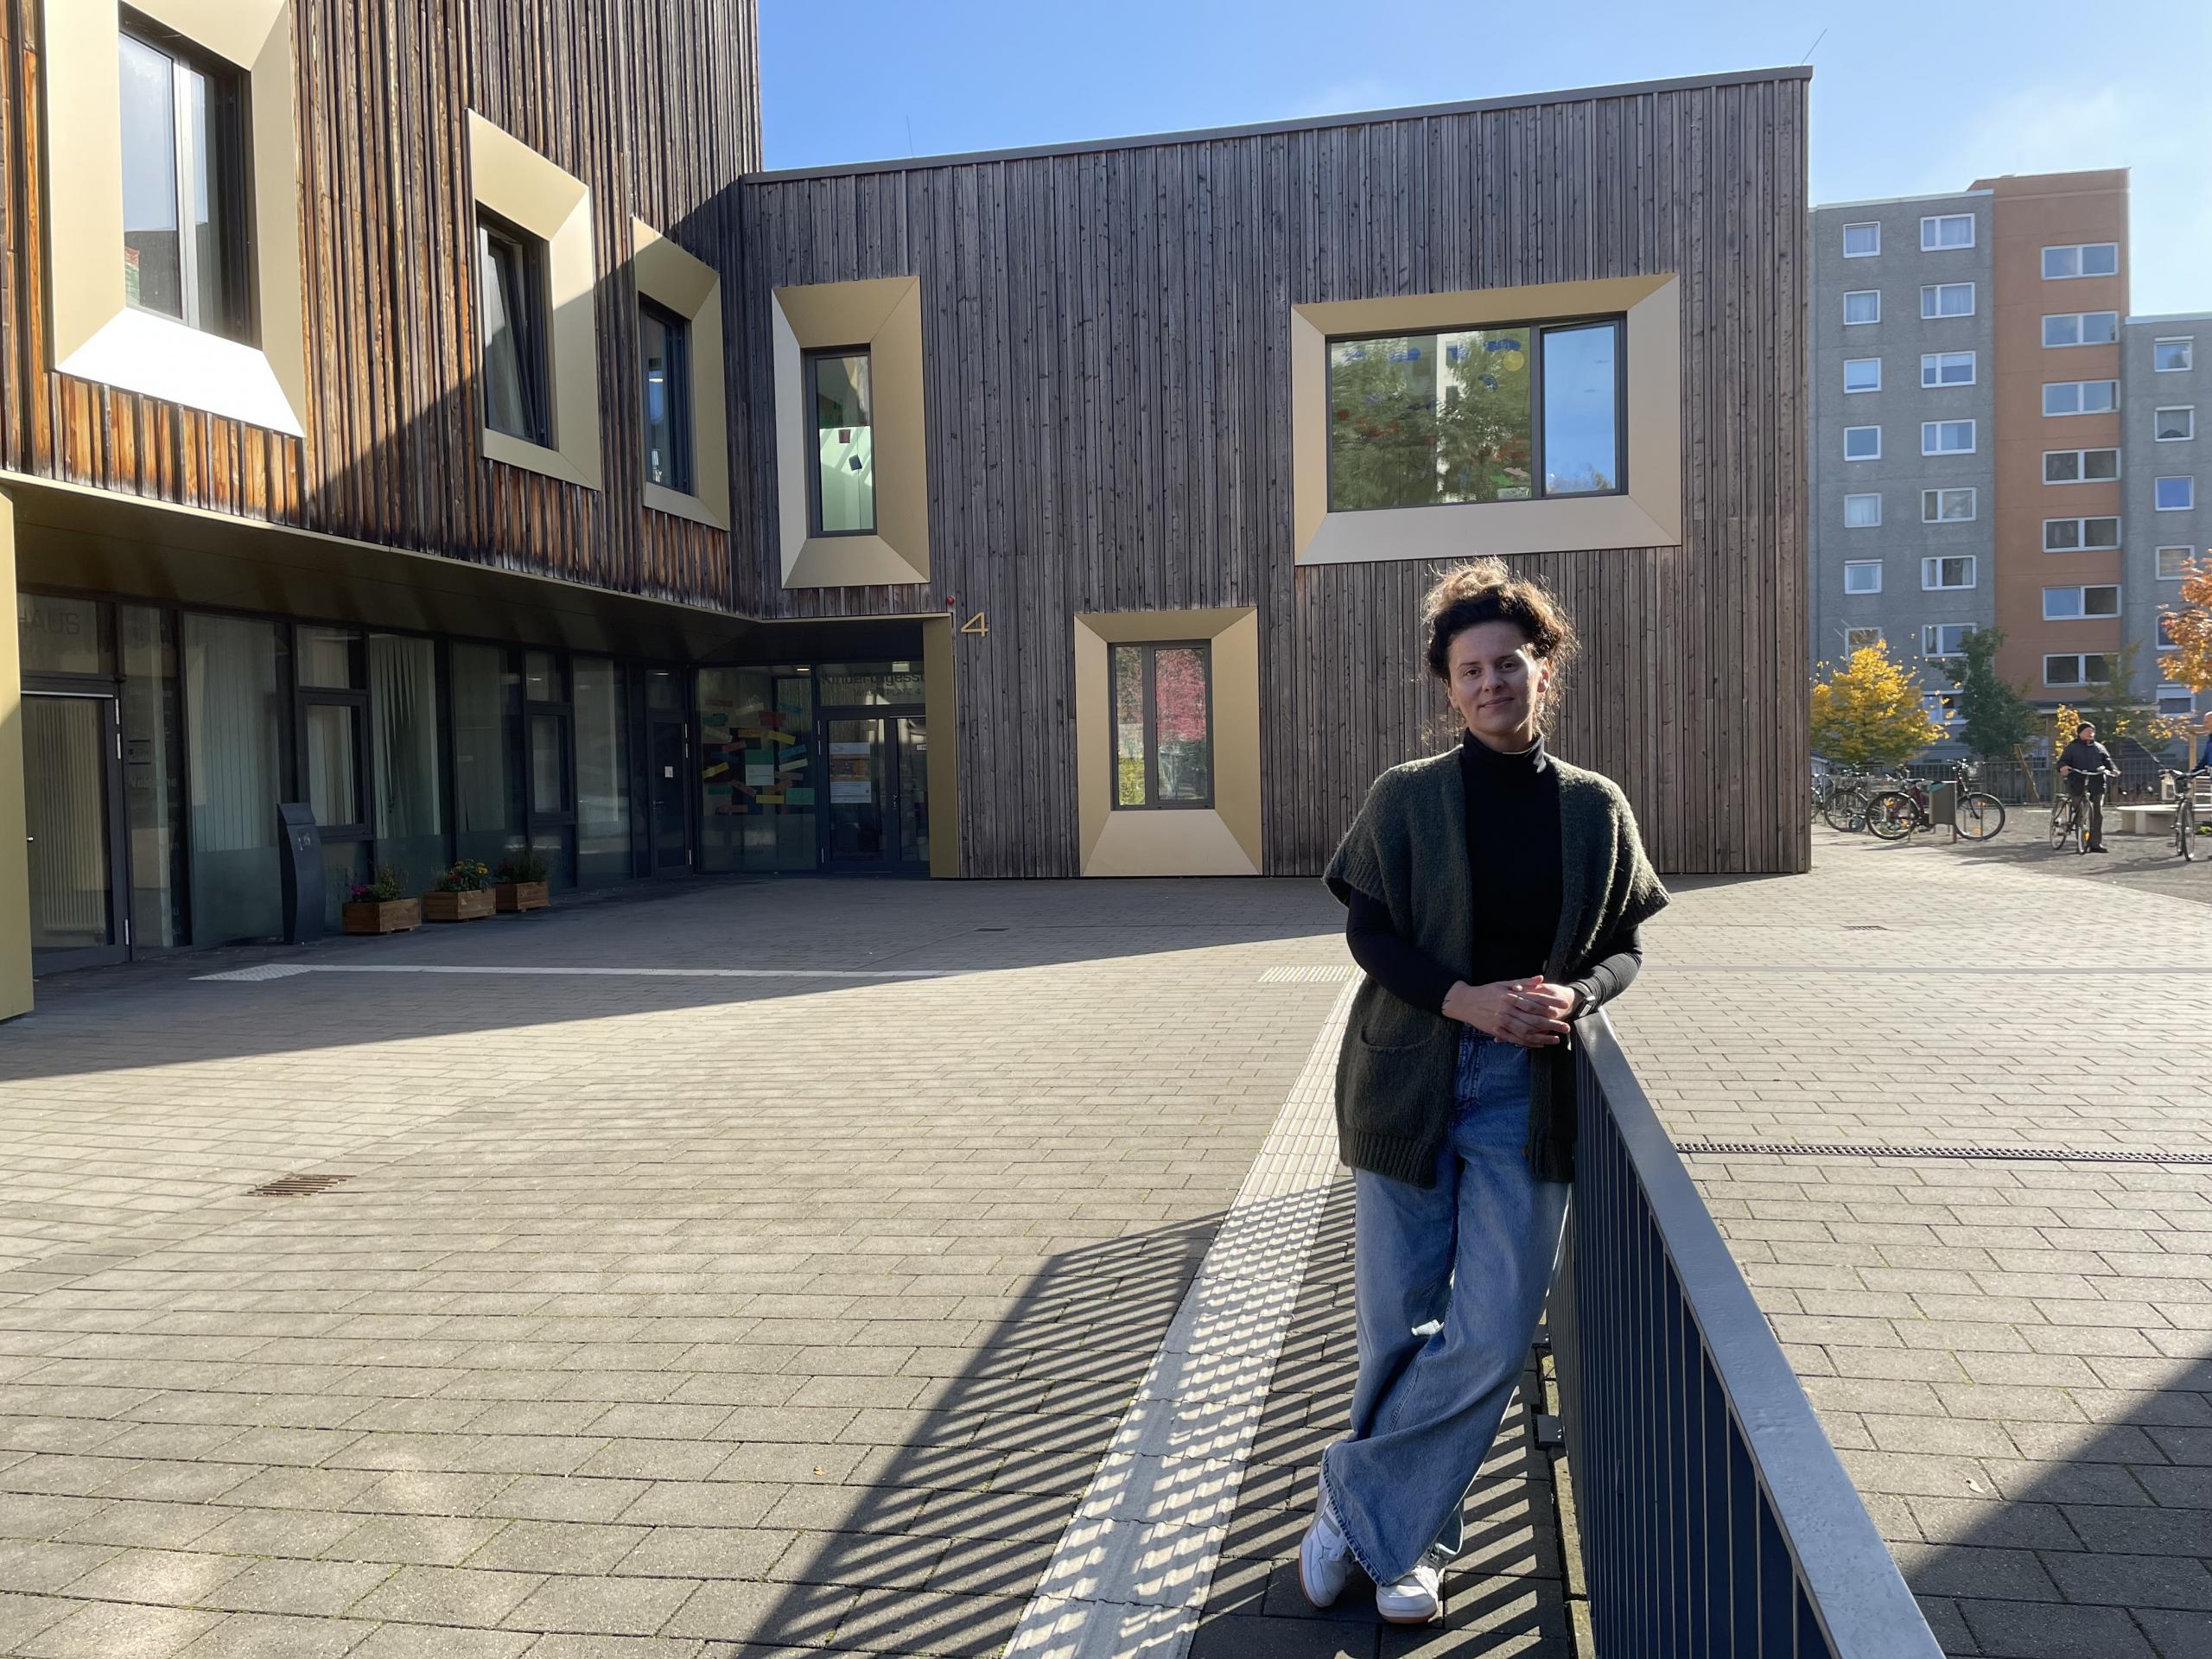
(2188,625)
(1869,713)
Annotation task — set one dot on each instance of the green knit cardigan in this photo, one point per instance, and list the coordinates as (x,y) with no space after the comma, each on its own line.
(1407,850)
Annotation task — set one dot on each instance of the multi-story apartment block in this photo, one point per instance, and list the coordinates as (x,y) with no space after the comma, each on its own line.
(1994,442)
(482,457)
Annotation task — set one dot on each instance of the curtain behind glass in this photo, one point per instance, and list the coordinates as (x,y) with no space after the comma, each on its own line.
(488,798)
(231,709)
(409,823)
(153,787)
(602,774)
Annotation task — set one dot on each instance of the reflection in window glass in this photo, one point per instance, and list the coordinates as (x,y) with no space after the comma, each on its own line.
(510,294)
(540,678)
(1421,420)
(333,768)
(488,778)
(844,473)
(153,784)
(1128,726)
(328,656)
(409,820)
(153,271)
(1582,420)
(668,397)
(602,772)
(756,769)
(548,775)
(1182,741)
(182,131)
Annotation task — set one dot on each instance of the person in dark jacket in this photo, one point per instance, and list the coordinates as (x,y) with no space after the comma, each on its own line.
(1495,894)
(2085,763)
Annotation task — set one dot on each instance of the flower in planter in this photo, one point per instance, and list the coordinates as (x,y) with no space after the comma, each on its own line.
(528,865)
(383,886)
(467,876)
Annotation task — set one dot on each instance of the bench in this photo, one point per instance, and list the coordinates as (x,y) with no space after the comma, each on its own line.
(2154,819)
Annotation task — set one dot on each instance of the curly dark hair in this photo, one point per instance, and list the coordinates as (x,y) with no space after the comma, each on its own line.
(1486,590)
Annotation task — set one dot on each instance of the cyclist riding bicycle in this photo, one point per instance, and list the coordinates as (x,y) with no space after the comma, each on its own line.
(2085,763)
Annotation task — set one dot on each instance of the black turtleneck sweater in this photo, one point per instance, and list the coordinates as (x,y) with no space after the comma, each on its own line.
(1513,857)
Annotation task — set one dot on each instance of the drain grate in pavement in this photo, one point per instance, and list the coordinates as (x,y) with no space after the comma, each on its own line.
(1312,976)
(1864,927)
(298,1186)
(2006,1154)
(262,971)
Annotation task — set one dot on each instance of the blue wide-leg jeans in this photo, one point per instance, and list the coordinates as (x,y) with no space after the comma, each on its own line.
(1450,1281)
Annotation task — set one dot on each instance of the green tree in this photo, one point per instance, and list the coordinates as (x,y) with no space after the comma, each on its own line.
(2111,707)
(1994,718)
(1868,713)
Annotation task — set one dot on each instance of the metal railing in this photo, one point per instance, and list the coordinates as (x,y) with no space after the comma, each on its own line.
(1716,1521)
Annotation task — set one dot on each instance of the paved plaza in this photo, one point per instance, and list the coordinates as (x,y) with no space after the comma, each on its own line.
(769,1268)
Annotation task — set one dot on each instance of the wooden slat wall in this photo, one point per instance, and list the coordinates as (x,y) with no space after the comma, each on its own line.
(1106,339)
(654,103)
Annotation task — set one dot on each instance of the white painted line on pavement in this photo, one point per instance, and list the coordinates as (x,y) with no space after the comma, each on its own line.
(1133,1568)
(286,969)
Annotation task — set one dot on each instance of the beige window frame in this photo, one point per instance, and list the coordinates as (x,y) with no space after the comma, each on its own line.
(882,316)
(96,335)
(1649,514)
(673,279)
(508,177)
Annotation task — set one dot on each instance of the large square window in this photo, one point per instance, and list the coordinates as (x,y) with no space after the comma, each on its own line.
(1862,241)
(2171,356)
(2175,494)
(1948,571)
(1941,231)
(1858,639)
(1947,437)
(842,480)
(1944,639)
(1449,417)
(184,184)
(1163,725)
(2173,562)
(1947,300)
(1862,511)
(1862,443)
(1863,305)
(1862,576)
(1946,368)
(664,341)
(1947,507)
(1862,374)
(2173,425)
(511,287)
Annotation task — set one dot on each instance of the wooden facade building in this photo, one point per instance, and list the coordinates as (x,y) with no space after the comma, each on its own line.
(557,481)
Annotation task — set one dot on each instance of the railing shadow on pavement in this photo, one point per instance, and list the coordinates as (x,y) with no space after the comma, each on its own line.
(1715,1516)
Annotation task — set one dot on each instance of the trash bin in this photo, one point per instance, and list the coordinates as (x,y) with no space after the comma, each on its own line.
(303,872)
(1943,806)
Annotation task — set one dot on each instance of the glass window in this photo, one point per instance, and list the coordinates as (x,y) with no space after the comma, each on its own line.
(602,772)
(1862,576)
(2074,535)
(332,764)
(183,185)
(409,820)
(2176,494)
(2081,328)
(1861,241)
(2170,356)
(542,681)
(2080,466)
(2169,425)
(1863,305)
(1946,506)
(1858,639)
(1942,230)
(63,636)
(756,769)
(510,294)
(1428,420)
(549,772)
(1947,437)
(1862,443)
(2061,671)
(2174,702)
(2080,397)
(327,657)
(1582,418)
(1862,511)
(1947,571)
(1944,639)
(1862,374)
(1163,725)
(2165,637)
(232,710)
(2080,259)
(2173,562)
(666,340)
(487,771)
(1947,300)
(2061,604)
(1946,368)
(838,391)
(153,785)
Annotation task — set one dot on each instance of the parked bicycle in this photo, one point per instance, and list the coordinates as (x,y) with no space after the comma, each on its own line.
(1896,813)
(1848,794)
(2185,823)
(2069,814)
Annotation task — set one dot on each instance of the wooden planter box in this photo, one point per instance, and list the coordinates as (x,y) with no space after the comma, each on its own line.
(382,916)
(515,897)
(457,906)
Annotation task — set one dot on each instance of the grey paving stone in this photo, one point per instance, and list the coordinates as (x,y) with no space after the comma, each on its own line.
(2019,1630)
(103,1630)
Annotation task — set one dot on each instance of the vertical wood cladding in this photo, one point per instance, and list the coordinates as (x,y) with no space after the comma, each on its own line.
(653,104)
(1107,343)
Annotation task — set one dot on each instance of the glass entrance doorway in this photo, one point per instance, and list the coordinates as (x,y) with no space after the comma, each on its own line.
(876,815)
(73,747)
(670,792)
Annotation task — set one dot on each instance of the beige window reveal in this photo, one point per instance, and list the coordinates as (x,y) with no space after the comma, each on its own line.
(670,278)
(1221,838)
(882,317)
(1648,514)
(513,181)
(98,334)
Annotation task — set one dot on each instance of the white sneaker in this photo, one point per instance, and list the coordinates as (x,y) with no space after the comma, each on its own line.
(1323,1557)
(1415,1599)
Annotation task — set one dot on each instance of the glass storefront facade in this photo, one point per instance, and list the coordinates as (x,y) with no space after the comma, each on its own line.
(169,736)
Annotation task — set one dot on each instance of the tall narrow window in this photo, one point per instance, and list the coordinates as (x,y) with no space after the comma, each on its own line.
(1582,414)
(184,215)
(510,285)
(1163,725)
(666,342)
(842,481)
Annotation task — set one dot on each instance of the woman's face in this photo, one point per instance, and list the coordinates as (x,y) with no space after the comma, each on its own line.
(1497,686)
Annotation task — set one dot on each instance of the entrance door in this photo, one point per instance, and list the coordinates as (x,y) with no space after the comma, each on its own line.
(858,829)
(73,747)
(670,748)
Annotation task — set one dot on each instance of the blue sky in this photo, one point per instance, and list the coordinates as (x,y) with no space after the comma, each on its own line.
(1907,97)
